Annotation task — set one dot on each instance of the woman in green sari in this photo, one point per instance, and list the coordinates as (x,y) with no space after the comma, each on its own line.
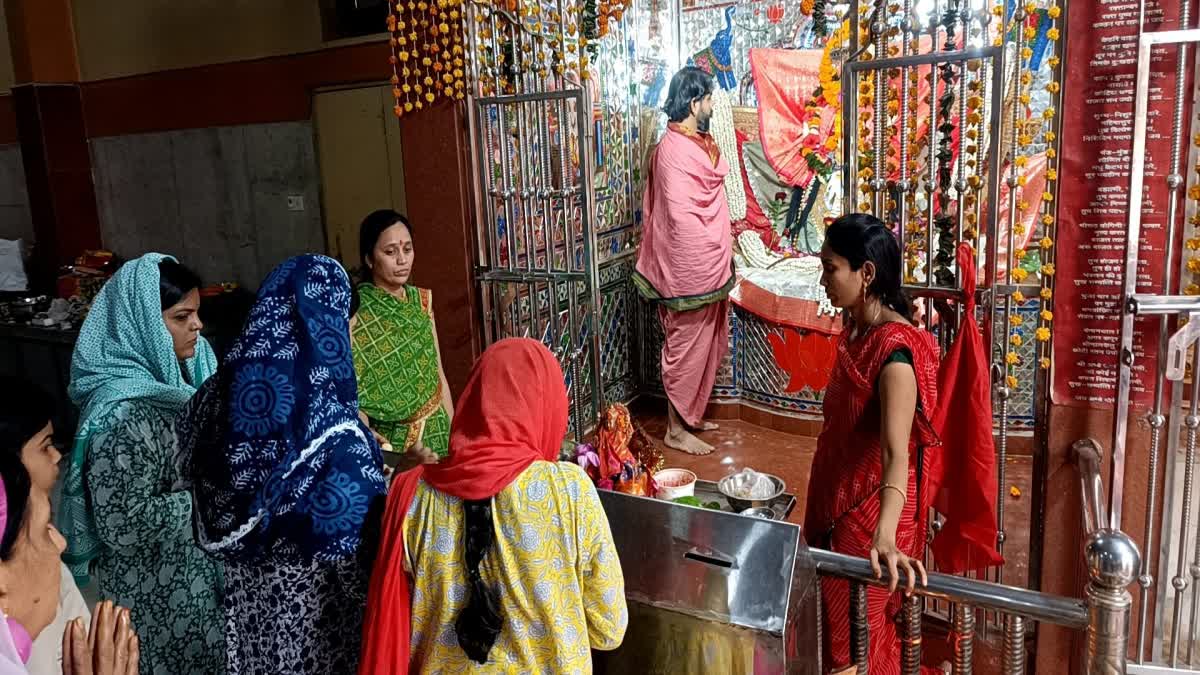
(402,389)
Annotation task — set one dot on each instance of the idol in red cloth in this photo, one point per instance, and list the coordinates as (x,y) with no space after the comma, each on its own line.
(871,482)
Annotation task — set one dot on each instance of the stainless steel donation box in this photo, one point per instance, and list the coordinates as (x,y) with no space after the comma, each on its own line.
(711,592)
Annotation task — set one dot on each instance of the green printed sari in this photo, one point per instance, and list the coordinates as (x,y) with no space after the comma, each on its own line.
(396,361)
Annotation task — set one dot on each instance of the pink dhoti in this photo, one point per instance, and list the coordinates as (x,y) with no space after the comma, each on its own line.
(685,264)
(694,346)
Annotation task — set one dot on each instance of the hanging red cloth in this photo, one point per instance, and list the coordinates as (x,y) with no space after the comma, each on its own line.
(967,462)
(513,412)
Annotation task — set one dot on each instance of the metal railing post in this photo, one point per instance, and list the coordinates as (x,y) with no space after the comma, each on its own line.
(1113,563)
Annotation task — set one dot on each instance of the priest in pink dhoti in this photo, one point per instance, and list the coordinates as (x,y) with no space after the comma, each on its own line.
(685,263)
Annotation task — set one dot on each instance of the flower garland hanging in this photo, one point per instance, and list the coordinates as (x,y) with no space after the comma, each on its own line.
(943,272)
(549,45)
(596,17)
(825,104)
(1038,32)
(1192,243)
(866,107)
(916,227)
(972,149)
(427,59)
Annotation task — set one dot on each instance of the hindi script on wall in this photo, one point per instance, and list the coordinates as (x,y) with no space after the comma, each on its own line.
(1097,134)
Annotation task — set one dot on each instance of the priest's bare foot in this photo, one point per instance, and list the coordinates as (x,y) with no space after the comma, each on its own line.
(705,425)
(685,442)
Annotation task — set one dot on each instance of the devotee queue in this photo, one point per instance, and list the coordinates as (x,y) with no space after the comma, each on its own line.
(317,502)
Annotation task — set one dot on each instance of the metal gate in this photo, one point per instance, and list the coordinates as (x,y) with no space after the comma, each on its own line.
(534,203)
(1168,637)
(935,200)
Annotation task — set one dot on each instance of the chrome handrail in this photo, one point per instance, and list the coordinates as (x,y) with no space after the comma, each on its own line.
(982,595)
(1112,560)
(1091,485)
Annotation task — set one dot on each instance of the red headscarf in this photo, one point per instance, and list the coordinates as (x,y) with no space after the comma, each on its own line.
(512,413)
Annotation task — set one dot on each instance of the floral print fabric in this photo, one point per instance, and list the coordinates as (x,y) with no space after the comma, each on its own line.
(283,469)
(123,353)
(295,617)
(562,593)
(148,560)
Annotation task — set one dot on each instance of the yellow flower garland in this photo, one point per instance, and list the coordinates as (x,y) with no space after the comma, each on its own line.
(427,59)
(1045,245)
(1192,243)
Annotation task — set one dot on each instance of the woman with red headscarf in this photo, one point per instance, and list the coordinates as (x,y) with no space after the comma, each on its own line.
(498,555)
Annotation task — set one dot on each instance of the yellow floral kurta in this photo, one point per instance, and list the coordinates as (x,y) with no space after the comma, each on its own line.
(553,561)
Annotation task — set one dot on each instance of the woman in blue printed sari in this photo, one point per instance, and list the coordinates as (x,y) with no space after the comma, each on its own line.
(287,479)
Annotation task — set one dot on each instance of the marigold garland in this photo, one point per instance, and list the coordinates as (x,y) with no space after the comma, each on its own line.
(1192,243)
(1038,256)
(943,259)
(427,59)
(826,100)
(549,45)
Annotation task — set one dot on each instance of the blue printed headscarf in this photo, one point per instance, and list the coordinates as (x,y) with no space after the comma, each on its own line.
(279,463)
(123,353)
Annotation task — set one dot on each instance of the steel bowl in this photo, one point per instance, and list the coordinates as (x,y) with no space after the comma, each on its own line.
(729,485)
(764,512)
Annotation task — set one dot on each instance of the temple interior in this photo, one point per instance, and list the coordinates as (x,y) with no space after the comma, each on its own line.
(1054,143)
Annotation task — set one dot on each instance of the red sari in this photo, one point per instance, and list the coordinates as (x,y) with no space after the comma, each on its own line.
(843,498)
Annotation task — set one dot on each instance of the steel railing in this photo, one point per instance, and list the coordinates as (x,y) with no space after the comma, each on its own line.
(1103,614)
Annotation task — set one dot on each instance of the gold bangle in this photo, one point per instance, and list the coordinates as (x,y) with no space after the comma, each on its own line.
(889,486)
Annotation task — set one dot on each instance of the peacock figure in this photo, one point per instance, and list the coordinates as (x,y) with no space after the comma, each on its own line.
(715,59)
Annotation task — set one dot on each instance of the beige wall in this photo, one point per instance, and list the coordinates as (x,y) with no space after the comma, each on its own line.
(131,37)
(6,63)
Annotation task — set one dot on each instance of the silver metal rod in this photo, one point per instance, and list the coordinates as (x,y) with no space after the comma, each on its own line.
(1069,612)
(860,629)
(1087,453)
(879,137)
(1155,418)
(1013,658)
(531,96)
(903,184)
(849,96)
(520,277)
(931,185)
(1003,391)
(524,191)
(1180,581)
(548,187)
(992,225)
(482,178)
(931,58)
(587,134)
(910,641)
(963,632)
(1112,560)
(1125,356)
(1140,304)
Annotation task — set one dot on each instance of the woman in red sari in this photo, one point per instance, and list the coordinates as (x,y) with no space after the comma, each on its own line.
(871,479)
